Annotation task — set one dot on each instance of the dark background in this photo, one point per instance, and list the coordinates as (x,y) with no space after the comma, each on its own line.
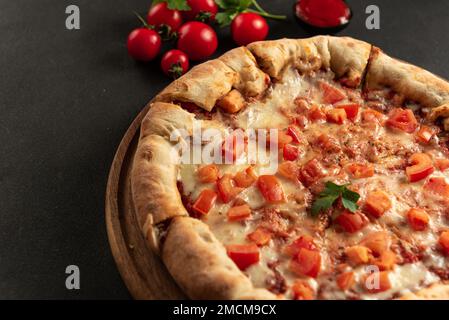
(66,99)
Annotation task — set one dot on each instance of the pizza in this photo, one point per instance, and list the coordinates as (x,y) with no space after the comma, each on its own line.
(346,198)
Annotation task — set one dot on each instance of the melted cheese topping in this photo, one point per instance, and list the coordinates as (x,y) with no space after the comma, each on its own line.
(386,149)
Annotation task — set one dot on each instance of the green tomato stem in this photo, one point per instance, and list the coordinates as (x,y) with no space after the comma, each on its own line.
(258,7)
(268,15)
(145,24)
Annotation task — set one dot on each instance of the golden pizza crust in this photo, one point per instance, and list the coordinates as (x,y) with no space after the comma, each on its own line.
(415,83)
(346,57)
(437,291)
(200,265)
(203,85)
(195,258)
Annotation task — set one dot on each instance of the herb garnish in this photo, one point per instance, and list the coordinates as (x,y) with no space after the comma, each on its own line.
(331,193)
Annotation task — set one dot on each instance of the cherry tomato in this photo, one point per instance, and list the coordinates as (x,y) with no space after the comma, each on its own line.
(160,15)
(143,44)
(175,63)
(248,27)
(201,10)
(197,40)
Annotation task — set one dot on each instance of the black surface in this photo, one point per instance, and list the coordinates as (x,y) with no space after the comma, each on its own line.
(66,99)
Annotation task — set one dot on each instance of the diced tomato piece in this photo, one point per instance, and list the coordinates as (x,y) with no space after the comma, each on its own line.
(331,94)
(351,109)
(245,178)
(226,188)
(302,121)
(289,170)
(425,134)
(377,282)
(443,241)
(371,115)
(294,133)
(421,167)
(437,185)
(233,147)
(239,213)
(303,242)
(302,104)
(290,152)
(327,143)
(358,254)
(351,222)
(205,201)
(442,164)
(312,171)
(282,139)
(402,119)
(377,242)
(208,173)
(271,188)
(337,116)
(306,263)
(386,260)
(243,255)
(418,219)
(302,291)
(360,170)
(260,236)
(377,203)
(346,280)
(316,114)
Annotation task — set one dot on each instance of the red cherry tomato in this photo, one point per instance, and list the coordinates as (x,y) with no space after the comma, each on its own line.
(248,27)
(160,15)
(197,40)
(143,44)
(202,10)
(175,63)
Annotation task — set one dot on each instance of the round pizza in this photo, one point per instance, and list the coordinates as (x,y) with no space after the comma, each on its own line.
(299,169)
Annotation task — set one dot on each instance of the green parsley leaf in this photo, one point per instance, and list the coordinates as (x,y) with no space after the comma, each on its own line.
(174,4)
(323,203)
(348,204)
(350,195)
(225,18)
(178,5)
(331,193)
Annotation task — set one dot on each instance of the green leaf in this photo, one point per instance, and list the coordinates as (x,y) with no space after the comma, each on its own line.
(350,205)
(331,193)
(350,195)
(225,18)
(178,5)
(227,4)
(244,4)
(332,188)
(323,203)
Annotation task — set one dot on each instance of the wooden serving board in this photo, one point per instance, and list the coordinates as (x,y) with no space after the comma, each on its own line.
(142,271)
